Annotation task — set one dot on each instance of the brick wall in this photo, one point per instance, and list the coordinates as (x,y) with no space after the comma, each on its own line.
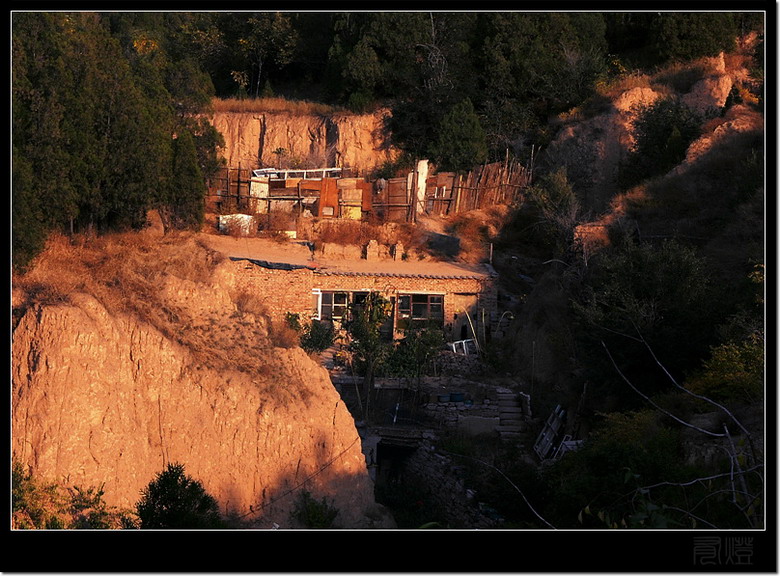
(472,294)
(282,291)
(286,291)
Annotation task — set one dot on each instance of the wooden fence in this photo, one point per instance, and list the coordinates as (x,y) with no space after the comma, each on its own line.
(395,200)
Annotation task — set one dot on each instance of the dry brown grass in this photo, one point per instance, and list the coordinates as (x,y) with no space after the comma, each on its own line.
(125,272)
(128,274)
(346,232)
(681,77)
(256,105)
(359,233)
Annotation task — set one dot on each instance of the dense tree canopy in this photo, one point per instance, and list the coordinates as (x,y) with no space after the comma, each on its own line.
(99,98)
(97,104)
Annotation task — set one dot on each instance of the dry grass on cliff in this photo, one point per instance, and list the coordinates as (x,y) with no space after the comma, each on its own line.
(129,274)
(122,270)
(258,105)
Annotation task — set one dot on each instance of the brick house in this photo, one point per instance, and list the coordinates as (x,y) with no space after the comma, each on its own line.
(462,301)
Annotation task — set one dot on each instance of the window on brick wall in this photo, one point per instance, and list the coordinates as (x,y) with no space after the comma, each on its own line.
(419,310)
(333,305)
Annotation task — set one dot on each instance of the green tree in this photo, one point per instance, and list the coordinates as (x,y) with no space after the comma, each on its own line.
(662,133)
(690,35)
(188,189)
(461,144)
(532,65)
(559,209)
(418,64)
(269,39)
(174,500)
(363,72)
(411,357)
(97,100)
(364,323)
(28,223)
(106,128)
(44,198)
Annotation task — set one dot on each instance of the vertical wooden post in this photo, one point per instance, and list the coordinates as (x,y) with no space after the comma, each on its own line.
(458,186)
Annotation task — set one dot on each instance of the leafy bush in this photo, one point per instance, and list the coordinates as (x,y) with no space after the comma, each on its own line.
(413,356)
(312,513)
(174,500)
(315,337)
(35,505)
(40,506)
(734,372)
(90,512)
(595,475)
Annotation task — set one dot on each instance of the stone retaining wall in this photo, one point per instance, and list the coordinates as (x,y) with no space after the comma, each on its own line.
(444,485)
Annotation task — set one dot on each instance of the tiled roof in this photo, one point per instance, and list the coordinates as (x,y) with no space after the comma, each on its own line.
(371,274)
(399,275)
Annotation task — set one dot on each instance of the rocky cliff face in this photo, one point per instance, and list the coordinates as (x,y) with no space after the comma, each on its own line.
(592,149)
(106,398)
(309,141)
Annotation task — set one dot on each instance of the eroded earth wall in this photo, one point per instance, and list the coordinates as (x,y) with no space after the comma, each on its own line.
(101,399)
(268,139)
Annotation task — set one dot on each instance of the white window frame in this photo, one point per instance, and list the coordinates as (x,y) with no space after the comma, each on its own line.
(316,315)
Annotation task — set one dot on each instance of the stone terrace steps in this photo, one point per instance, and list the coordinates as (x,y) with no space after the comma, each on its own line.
(510,416)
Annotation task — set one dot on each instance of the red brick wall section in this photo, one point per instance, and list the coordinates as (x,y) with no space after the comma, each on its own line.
(281,291)
(284,291)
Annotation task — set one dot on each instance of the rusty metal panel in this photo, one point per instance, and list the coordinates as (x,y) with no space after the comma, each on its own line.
(329,199)
(368,195)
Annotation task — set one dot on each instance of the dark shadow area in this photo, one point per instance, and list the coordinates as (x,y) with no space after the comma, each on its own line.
(443,246)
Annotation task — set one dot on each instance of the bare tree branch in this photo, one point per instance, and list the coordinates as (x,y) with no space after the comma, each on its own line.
(735,474)
(656,406)
(704,398)
(510,482)
(687,513)
(699,480)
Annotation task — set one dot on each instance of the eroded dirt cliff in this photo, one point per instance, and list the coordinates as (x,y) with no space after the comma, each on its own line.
(593,148)
(108,390)
(252,140)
